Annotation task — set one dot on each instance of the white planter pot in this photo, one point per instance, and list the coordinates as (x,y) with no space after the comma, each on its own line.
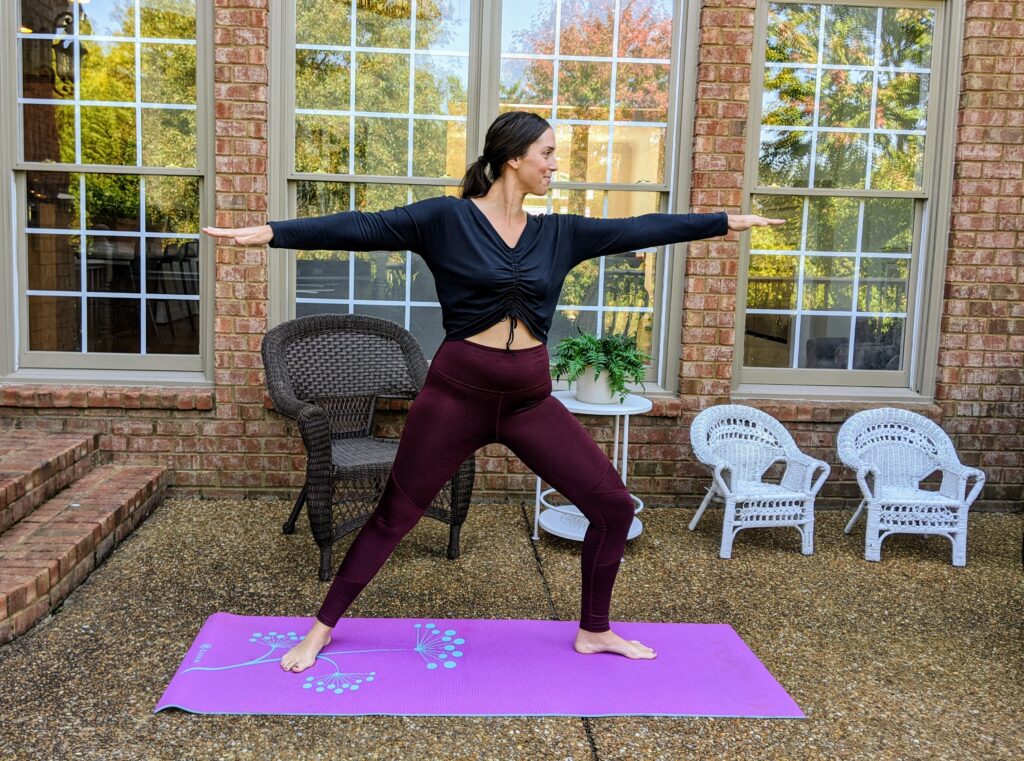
(594,392)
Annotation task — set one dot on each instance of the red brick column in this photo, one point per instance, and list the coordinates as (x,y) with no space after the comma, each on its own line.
(981,360)
(709,303)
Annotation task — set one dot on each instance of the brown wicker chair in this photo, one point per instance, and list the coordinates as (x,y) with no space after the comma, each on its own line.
(327,372)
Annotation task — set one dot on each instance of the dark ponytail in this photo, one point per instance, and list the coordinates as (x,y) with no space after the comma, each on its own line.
(508,137)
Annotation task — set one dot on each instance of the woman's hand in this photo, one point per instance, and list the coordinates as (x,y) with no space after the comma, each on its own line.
(743,222)
(243,236)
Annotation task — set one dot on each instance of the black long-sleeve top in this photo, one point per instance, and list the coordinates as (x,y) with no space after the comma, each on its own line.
(479,278)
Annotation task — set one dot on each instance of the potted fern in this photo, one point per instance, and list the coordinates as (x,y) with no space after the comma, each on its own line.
(601,366)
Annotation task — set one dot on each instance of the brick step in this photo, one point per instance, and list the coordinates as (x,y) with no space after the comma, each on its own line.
(51,551)
(35,465)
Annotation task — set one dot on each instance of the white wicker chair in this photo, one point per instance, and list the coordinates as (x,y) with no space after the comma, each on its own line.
(898,449)
(741,443)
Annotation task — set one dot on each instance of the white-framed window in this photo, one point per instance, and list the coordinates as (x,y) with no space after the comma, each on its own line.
(110,177)
(846,149)
(387,104)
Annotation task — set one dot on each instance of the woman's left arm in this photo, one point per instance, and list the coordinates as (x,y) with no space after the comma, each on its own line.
(601,237)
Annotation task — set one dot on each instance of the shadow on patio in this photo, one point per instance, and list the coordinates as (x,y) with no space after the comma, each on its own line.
(907,658)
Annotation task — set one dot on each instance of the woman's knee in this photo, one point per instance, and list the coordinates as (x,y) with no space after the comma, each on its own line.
(613,510)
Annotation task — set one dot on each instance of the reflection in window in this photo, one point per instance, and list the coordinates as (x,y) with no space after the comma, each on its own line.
(844,109)
(87,101)
(829,288)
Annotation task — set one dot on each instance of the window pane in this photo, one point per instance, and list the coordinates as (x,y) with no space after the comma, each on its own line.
(112,264)
(772,281)
(322,22)
(380,276)
(580,286)
(897,162)
(767,340)
(645,29)
(629,279)
(793,32)
(112,202)
(108,71)
(425,325)
(108,135)
(828,283)
(902,101)
(321,144)
(53,263)
(527,85)
(172,326)
(635,325)
(422,287)
(47,69)
(528,27)
(382,82)
(840,160)
(53,200)
(845,98)
(788,97)
(172,204)
(322,79)
(382,146)
(49,133)
(169,137)
(54,323)
(441,84)
(113,325)
(641,92)
(439,148)
(878,343)
(883,285)
(832,224)
(108,18)
(785,160)
(321,275)
(907,37)
(888,225)
(825,342)
(172,266)
(168,18)
(584,90)
(168,73)
(638,154)
(849,35)
(383,25)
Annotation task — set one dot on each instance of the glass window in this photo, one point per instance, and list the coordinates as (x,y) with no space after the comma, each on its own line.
(844,125)
(107,95)
(381,118)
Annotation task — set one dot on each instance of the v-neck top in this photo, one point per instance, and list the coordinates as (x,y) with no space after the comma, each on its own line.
(479,278)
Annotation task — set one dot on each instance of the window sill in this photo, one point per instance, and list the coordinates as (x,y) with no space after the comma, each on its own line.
(829,404)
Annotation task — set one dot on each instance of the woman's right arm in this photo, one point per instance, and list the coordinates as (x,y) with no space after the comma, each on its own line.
(397,229)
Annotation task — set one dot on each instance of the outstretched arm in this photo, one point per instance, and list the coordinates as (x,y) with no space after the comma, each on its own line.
(600,237)
(393,230)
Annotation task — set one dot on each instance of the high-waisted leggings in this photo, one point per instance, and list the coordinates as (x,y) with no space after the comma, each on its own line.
(477,395)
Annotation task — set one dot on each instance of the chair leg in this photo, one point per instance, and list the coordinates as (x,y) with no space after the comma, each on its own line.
(728,530)
(856,515)
(289,525)
(960,549)
(703,506)
(326,571)
(807,538)
(453,542)
(872,542)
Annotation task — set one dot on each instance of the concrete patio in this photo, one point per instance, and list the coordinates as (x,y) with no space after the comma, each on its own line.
(907,658)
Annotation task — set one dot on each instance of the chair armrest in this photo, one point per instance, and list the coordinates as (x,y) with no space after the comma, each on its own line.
(720,469)
(954,482)
(862,479)
(800,472)
(315,429)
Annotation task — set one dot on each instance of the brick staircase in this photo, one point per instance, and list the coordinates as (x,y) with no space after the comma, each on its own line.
(61,513)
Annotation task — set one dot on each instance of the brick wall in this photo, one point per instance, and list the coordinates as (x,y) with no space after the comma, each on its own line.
(226,442)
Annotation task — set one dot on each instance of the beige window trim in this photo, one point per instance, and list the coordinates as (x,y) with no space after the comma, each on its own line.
(917,383)
(17,363)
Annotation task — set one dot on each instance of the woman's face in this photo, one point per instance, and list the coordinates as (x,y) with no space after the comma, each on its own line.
(536,167)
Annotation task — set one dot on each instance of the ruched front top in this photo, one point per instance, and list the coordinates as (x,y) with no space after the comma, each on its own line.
(479,278)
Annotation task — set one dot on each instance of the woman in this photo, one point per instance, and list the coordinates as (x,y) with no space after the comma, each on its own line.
(498,273)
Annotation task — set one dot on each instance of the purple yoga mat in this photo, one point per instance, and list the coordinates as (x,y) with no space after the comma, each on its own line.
(432,667)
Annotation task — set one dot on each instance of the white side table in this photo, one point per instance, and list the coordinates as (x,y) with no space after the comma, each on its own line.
(566,520)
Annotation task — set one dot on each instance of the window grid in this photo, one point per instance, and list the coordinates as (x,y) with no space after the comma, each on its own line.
(911,290)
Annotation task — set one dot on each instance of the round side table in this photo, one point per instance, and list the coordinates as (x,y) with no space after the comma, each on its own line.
(566,520)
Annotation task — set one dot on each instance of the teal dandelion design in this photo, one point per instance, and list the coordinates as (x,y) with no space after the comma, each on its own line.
(437,648)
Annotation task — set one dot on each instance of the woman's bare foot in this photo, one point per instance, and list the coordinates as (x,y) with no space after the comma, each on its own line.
(303,655)
(610,642)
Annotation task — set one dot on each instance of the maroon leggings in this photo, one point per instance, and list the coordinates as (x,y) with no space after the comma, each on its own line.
(476,395)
